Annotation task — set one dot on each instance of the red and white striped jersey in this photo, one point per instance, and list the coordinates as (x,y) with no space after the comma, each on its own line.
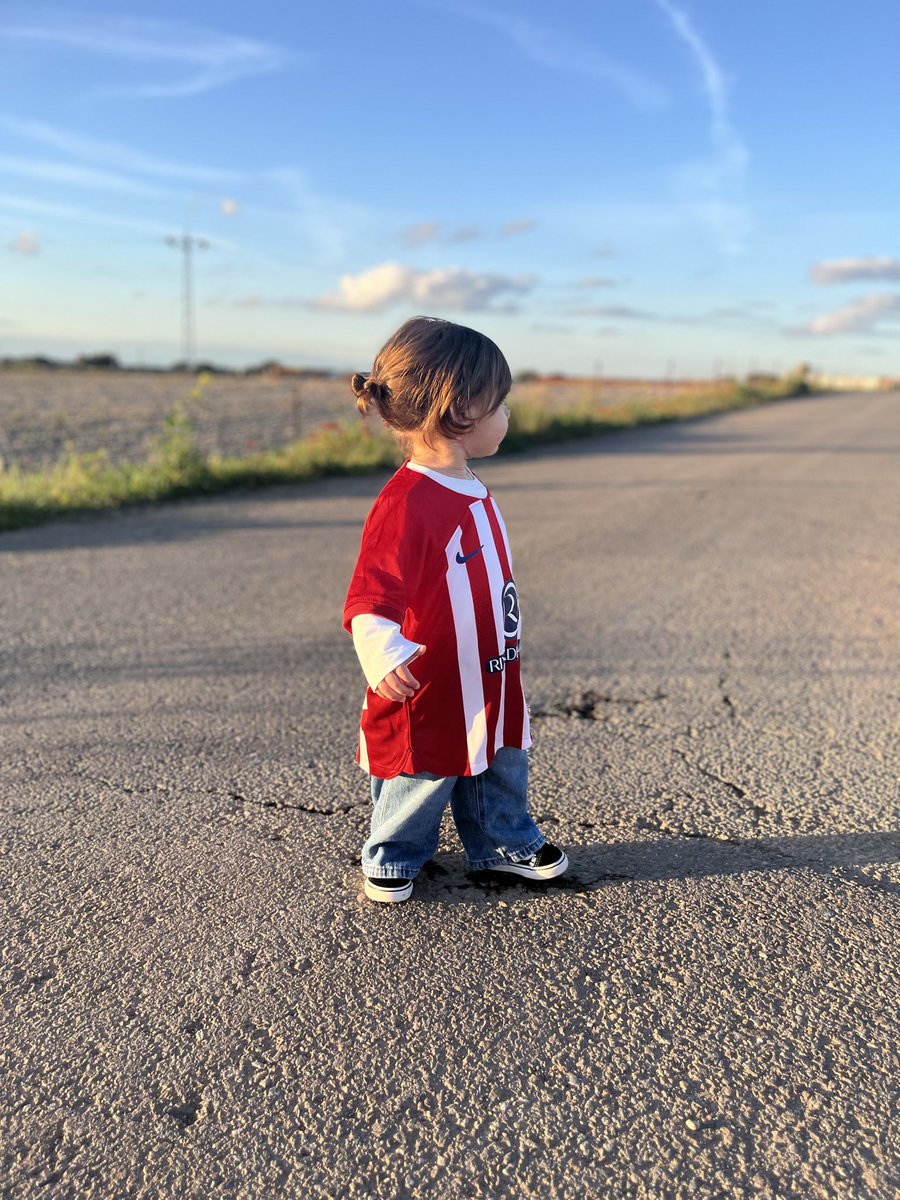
(435,558)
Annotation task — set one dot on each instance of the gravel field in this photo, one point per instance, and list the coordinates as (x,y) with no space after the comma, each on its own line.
(43,412)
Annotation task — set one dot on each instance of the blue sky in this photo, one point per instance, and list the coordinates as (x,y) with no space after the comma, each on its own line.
(637,187)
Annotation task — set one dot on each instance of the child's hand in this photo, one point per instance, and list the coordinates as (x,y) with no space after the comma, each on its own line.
(400,683)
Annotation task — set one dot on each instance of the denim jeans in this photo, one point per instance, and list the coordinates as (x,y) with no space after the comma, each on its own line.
(490,811)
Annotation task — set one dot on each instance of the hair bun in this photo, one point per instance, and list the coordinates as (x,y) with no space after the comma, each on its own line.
(368,391)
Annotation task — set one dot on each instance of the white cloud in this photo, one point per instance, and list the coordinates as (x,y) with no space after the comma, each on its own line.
(542,44)
(860,317)
(597,281)
(717,184)
(205,59)
(25,244)
(451,289)
(848,270)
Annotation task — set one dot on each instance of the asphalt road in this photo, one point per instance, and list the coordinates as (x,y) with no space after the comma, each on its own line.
(198,1002)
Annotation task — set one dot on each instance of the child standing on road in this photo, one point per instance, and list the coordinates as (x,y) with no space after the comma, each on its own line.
(434,615)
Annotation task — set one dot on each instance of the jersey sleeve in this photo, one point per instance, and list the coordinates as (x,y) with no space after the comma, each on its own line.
(388,568)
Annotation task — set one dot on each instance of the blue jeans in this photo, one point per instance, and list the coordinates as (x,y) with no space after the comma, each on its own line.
(490,811)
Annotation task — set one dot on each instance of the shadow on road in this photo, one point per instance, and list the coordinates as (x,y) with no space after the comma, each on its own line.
(172,522)
(595,867)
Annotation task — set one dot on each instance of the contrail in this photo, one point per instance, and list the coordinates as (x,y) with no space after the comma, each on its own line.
(731,156)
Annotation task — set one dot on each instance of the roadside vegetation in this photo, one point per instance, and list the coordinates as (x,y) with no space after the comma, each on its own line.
(177,467)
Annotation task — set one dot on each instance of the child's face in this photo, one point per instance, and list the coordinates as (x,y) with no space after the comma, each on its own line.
(486,434)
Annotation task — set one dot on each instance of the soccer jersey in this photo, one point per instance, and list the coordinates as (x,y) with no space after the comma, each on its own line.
(435,558)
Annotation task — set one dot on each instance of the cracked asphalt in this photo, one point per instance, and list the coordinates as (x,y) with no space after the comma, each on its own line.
(197,1000)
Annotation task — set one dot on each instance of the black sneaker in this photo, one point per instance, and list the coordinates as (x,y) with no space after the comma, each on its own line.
(389,891)
(549,862)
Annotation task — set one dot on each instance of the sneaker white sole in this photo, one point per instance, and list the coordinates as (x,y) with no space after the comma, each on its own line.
(387,895)
(524,872)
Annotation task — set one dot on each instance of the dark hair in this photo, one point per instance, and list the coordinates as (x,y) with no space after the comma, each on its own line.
(434,377)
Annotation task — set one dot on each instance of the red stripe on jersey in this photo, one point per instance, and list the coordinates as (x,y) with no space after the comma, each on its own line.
(498,537)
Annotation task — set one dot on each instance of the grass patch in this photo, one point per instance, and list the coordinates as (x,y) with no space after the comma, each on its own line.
(176,467)
(532,422)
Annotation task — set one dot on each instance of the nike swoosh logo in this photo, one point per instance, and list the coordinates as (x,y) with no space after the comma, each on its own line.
(461,559)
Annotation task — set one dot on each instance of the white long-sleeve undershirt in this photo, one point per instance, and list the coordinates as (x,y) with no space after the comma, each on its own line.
(380,646)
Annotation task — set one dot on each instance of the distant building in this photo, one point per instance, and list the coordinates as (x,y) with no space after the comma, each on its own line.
(853,383)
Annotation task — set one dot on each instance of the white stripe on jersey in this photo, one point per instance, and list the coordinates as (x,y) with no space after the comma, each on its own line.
(363,748)
(526,724)
(463,608)
(496,581)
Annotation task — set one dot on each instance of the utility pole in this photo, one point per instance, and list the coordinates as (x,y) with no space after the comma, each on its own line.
(187,245)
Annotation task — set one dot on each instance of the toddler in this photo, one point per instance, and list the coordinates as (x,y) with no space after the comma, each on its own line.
(434,615)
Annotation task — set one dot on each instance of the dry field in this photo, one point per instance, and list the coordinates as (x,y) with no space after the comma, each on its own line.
(45,412)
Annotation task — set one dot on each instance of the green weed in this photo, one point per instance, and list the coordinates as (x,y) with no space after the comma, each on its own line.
(176,466)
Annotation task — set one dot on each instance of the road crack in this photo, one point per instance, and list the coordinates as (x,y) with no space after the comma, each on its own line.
(287,805)
(586,706)
(173,793)
(735,788)
(726,697)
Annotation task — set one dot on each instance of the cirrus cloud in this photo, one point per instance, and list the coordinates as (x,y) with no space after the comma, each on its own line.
(714,186)
(74,175)
(112,154)
(572,53)
(453,288)
(200,59)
